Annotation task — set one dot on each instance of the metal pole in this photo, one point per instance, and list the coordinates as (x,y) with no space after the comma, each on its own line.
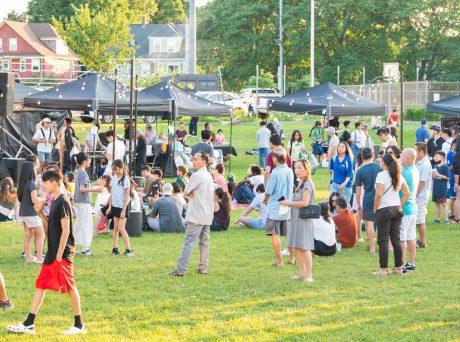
(192,41)
(402,111)
(416,87)
(115,103)
(312,43)
(338,75)
(136,91)
(131,110)
(257,88)
(281,63)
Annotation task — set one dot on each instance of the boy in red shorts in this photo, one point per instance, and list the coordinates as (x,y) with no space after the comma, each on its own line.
(57,272)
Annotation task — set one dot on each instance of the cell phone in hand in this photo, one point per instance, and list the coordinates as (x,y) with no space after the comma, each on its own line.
(281,199)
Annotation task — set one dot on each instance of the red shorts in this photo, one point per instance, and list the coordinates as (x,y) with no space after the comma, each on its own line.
(58,276)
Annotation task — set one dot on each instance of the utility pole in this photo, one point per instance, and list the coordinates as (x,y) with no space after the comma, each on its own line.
(191,39)
(312,43)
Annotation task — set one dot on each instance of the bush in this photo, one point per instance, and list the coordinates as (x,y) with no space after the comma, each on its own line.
(417,114)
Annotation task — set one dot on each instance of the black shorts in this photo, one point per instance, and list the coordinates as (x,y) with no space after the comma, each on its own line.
(116,212)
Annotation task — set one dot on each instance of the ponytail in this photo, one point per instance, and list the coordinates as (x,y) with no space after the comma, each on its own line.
(393,169)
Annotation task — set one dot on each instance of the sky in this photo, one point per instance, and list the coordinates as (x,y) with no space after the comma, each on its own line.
(20,6)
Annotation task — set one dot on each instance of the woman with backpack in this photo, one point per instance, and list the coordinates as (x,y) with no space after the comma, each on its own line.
(317,135)
(296,146)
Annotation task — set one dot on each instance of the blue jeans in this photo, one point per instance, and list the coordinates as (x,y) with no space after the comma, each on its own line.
(44,156)
(256,223)
(346,192)
(263,153)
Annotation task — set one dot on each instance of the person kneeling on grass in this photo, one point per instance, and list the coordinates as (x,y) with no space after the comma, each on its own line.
(345,223)
(257,204)
(324,230)
(57,271)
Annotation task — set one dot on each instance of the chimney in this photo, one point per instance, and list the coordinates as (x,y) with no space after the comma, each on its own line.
(26,19)
(144,20)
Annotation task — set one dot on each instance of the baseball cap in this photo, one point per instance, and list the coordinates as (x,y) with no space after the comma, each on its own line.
(424,121)
(48,120)
(167,189)
(231,177)
(435,128)
(330,130)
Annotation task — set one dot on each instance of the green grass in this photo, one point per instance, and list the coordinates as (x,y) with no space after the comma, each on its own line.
(244,298)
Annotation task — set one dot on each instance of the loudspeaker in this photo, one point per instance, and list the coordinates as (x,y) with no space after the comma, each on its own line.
(14,166)
(6,93)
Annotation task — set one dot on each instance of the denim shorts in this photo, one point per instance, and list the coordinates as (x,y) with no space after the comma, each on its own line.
(346,192)
(44,156)
(256,223)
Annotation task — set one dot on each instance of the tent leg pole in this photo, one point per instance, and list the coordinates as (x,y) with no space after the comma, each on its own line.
(231,141)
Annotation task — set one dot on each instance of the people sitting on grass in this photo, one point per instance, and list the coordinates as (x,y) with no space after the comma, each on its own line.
(165,216)
(8,200)
(222,210)
(220,137)
(324,231)
(332,205)
(440,176)
(256,204)
(182,176)
(181,203)
(231,183)
(155,190)
(345,223)
(218,176)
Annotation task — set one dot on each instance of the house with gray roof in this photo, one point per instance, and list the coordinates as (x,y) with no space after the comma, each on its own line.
(160,48)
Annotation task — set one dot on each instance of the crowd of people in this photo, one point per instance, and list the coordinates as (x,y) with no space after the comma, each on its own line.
(387,192)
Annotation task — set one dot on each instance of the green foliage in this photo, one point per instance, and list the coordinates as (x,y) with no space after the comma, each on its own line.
(15,16)
(100,38)
(266,80)
(351,33)
(43,11)
(417,114)
(170,11)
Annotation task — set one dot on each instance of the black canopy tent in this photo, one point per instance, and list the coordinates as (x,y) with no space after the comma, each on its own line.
(21,91)
(327,99)
(449,106)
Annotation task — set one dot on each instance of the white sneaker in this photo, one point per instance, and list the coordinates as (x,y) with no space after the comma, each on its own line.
(360,240)
(22,329)
(74,331)
(285,252)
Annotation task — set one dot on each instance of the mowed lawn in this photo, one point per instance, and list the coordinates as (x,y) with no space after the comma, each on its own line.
(244,298)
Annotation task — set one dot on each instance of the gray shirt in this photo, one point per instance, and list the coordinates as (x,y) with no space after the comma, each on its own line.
(203,147)
(81,178)
(170,220)
(27,207)
(263,137)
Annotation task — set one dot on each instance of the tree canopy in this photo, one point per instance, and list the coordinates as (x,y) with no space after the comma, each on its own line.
(170,11)
(351,34)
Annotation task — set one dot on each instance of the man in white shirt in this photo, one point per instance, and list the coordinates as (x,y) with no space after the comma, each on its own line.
(447,136)
(120,150)
(44,137)
(333,143)
(423,191)
(386,138)
(263,138)
(92,139)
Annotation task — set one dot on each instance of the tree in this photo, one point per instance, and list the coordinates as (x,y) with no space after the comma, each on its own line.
(15,16)
(266,80)
(170,11)
(43,11)
(101,39)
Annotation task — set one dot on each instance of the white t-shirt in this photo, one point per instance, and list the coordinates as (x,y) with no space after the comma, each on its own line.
(93,139)
(324,231)
(120,150)
(359,138)
(258,204)
(446,146)
(424,169)
(255,181)
(263,137)
(390,196)
(334,141)
(44,134)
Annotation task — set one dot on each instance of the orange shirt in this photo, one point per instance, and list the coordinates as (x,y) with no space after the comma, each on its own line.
(346,226)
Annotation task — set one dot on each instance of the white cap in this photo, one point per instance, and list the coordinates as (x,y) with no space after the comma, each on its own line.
(46,120)
(331,130)
(167,189)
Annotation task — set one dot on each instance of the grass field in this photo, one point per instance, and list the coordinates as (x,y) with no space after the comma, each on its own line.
(244,298)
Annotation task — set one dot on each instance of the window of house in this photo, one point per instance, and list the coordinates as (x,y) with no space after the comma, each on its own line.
(22,65)
(35,64)
(5,65)
(145,68)
(13,44)
(171,46)
(157,45)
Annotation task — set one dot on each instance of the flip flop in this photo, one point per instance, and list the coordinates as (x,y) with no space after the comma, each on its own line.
(381,273)
(292,263)
(275,264)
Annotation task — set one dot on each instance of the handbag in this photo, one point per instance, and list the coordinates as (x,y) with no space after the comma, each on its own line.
(313,211)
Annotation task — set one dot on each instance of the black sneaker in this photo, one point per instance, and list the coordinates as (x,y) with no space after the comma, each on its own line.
(23,255)
(87,253)
(115,252)
(6,305)
(410,267)
(129,252)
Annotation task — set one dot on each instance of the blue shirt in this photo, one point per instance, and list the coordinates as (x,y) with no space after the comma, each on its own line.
(411,176)
(342,170)
(280,184)
(118,191)
(421,134)
(450,165)
(366,176)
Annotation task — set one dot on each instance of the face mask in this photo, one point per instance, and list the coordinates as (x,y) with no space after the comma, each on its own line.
(438,162)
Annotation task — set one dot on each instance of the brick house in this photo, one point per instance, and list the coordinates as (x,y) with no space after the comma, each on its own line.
(36,52)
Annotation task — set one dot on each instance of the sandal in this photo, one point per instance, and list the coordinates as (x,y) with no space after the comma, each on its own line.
(395,272)
(381,273)
(275,264)
(33,260)
(298,278)
(176,273)
(292,263)
(420,244)
(202,271)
